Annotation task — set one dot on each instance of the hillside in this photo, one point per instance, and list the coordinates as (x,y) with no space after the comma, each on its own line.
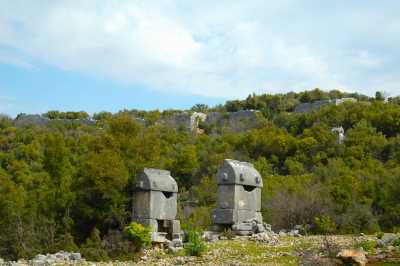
(72,175)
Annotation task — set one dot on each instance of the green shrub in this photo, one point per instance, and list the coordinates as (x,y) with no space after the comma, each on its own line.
(139,235)
(195,245)
(66,242)
(396,243)
(119,247)
(198,220)
(324,225)
(367,246)
(379,235)
(92,249)
(228,234)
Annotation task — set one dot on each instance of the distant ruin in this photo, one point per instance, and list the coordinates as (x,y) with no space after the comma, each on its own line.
(23,120)
(185,120)
(339,131)
(315,106)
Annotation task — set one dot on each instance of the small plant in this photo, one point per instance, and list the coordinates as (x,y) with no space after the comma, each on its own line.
(93,249)
(379,235)
(195,245)
(367,246)
(228,234)
(139,235)
(324,225)
(396,243)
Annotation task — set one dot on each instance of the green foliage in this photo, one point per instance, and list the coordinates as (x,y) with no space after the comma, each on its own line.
(396,243)
(66,243)
(368,245)
(93,249)
(195,245)
(379,235)
(324,225)
(228,234)
(59,181)
(66,115)
(200,219)
(139,235)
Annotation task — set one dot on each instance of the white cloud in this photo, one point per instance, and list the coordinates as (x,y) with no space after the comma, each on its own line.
(14,59)
(210,48)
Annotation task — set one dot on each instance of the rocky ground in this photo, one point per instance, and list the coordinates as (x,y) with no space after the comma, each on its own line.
(261,249)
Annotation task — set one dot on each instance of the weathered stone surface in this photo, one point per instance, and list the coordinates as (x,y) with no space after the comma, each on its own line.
(155,203)
(156,180)
(238,197)
(387,239)
(236,121)
(175,227)
(185,120)
(25,120)
(339,131)
(353,256)
(314,106)
(234,172)
(211,236)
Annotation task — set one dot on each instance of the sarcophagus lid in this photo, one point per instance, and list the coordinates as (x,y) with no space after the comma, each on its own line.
(234,172)
(156,180)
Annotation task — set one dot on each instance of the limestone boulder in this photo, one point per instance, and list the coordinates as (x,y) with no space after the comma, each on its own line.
(356,256)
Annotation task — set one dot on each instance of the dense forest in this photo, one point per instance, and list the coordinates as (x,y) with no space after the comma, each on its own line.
(69,186)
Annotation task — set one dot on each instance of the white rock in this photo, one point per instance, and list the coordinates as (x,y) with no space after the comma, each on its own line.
(75,256)
(353,256)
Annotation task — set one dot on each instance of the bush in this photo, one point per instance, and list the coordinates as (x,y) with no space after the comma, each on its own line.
(66,242)
(396,243)
(379,235)
(200,219)
(139,235)
(228,234)
(367,246)
(324,225)
(195,245)
(119,247)
(93,249)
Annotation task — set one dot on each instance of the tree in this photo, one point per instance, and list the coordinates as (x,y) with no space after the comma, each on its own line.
(201,108)
(379,96)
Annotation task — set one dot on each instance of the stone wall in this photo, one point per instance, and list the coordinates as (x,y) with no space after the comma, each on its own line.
(236,121)
(185,120)
(26,120)
(314,106)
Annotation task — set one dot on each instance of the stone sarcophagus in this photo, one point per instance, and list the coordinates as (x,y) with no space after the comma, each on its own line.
(238,198)
(155,203)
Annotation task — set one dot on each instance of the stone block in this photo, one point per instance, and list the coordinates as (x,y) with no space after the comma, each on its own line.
(223,216)
(159,237)
(242,227)
(155,203)
(175,227)
(238,197)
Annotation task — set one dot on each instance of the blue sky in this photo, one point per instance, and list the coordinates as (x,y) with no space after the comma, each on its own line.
(109,55)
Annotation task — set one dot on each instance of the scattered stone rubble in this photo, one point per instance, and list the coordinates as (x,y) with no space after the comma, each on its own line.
(59,258)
